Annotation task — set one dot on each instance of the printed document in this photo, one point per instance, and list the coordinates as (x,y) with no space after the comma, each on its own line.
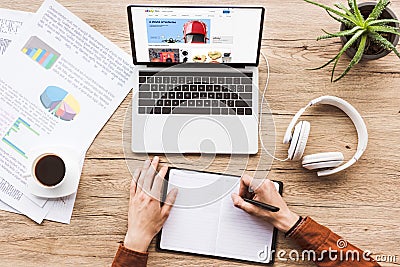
(60,82)
(10,23)
(61,210)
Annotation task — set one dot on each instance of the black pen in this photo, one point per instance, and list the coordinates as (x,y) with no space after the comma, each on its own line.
(262,205)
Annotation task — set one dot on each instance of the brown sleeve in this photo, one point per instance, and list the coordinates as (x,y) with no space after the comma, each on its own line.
(129,258)
(326,248)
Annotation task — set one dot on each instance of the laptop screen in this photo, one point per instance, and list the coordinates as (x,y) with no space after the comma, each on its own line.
(172,35)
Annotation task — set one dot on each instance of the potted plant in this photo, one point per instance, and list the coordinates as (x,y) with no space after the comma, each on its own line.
(368,30)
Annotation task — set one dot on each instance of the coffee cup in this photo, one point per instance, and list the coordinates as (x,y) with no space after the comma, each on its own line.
(53,171)
(49,170)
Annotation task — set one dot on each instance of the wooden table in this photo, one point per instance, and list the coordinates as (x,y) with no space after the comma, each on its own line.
(362,203)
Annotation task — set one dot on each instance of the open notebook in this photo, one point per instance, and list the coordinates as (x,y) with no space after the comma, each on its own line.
(204,220)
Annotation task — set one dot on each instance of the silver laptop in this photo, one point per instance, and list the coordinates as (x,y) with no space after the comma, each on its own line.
(196,78)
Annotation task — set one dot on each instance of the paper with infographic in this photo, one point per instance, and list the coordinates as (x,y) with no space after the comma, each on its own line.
(68,81)
(10,24)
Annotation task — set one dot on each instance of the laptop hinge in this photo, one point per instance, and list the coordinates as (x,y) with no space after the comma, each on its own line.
(157,65)
(197,65)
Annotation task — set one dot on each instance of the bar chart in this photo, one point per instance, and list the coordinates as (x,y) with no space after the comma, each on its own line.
(40,52)
(20,137)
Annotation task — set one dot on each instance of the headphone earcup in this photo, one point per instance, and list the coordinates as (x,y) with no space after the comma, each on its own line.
(299,140)
(322,160)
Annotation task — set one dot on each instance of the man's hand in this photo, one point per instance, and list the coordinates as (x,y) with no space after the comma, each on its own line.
(265,192)
(145,216)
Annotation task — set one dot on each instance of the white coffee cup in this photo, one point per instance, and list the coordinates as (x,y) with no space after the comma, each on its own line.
(54,171)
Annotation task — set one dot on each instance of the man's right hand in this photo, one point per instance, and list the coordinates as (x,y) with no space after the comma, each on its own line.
(265,192)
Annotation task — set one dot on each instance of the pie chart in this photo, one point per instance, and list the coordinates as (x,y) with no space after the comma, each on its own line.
(60,103)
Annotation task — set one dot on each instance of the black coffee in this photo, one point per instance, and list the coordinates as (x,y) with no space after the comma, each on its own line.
(50,170)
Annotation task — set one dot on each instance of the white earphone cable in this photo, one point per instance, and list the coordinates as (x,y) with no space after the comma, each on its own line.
(260,113)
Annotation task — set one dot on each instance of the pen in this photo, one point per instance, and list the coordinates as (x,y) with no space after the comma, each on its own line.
(262,205)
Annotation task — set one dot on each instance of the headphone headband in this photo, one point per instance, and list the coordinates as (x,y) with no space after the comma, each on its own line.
(352,113)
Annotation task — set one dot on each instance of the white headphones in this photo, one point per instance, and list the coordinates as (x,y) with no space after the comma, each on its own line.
(325,160)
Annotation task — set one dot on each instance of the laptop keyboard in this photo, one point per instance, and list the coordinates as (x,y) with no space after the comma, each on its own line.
(214,93)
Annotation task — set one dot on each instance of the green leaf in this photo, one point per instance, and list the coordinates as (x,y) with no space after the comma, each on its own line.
(346,22)
(345,9)
(326,64)
(384,42)
(357,57)
(340,34)
(357,13)
(327,8)
(382,21)
(345,47)
(377,11)
(351,4)
(387,29)
(324,37)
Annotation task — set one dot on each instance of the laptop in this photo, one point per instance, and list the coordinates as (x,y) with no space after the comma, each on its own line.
(196,78)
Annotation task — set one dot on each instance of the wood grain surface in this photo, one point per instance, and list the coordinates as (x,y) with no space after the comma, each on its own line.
(362,203)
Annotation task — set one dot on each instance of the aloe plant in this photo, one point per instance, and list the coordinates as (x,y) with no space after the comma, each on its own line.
(359,31)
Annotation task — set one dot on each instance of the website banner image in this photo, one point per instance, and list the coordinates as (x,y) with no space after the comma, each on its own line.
(169,30)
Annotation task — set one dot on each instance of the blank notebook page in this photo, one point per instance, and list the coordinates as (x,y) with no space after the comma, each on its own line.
(204,220)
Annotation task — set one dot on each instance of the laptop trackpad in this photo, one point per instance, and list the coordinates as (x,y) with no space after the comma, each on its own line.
(205,135)
(201,134)
(195,135)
